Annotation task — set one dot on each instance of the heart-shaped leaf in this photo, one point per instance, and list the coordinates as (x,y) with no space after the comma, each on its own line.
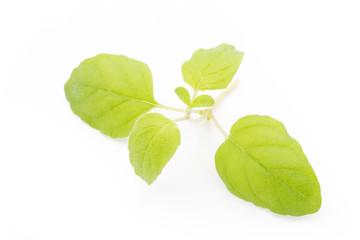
(152,143)
(259,162)
(212,68)
(110,92)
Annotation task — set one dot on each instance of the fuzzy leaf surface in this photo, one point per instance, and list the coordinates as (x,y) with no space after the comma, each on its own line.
(259,162)
(152,143)
(110,92)
(212,68)
(203,101)
(183,94)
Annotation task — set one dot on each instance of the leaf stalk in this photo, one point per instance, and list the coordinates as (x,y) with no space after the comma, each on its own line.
(170,108)
(217,125)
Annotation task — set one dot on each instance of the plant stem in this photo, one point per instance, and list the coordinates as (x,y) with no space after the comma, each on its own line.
(202,117)
(180,119)
(225,92)
(217,125)
(170,108)
(218,99)
(193,96)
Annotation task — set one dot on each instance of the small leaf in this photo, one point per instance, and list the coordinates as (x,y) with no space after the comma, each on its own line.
(212,68)
(152,143)
(259,162)
(183,94)
(109,92)
(203,101)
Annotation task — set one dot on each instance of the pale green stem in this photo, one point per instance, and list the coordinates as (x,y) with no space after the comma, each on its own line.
(180,119)
(188,111)
(201,118)
(205,115)
(196,110)
(170,108)
(217,125)
(225,92)
(193,96)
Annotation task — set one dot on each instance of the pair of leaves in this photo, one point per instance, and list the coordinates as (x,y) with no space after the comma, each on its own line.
(112,92)
(259,162)
(200,101)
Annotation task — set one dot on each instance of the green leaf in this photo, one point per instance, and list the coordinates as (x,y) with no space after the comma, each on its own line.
(110,92)
(203,101)
(183,94)
(152,143)
(212,68)
(259,162)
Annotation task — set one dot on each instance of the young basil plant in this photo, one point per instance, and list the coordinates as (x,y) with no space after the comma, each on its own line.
(258,161)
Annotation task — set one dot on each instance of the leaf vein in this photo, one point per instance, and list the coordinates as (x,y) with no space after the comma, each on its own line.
(256,161)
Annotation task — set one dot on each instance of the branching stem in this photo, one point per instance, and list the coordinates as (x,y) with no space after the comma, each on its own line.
(207,113)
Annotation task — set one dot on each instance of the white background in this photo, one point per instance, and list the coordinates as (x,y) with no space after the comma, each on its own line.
(61,179)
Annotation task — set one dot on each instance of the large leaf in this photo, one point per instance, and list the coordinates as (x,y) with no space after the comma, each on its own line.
(259,162)
(152,143)
(212,68)
(109,92)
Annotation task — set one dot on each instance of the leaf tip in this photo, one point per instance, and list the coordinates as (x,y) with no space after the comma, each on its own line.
(149,181)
